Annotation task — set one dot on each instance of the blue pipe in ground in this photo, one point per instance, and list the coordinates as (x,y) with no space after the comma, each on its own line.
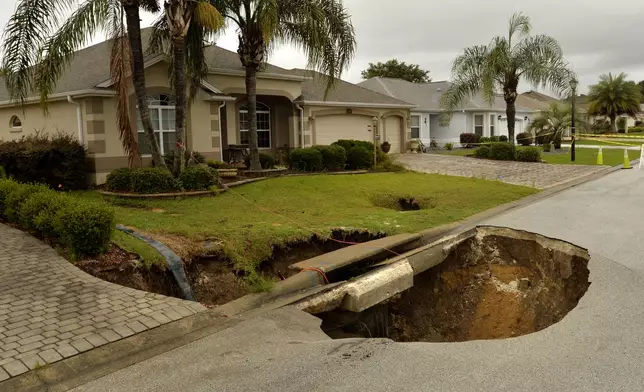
(174,261)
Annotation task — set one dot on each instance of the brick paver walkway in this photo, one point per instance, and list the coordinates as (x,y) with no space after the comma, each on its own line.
(536,175)
(50,310)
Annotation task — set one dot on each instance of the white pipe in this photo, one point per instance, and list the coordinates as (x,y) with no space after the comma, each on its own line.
(79,118)
(221,132)
(298,107)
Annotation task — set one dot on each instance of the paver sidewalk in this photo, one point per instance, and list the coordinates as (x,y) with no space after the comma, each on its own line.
(536,175)
(50,310)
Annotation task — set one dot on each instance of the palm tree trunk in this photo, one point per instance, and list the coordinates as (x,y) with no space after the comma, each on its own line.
(251,91)
(138,78)
(511,113)
(613,123)
(179,50)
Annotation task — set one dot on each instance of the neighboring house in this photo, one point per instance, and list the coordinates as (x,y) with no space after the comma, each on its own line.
(581,102)
(474,116)
(293,110)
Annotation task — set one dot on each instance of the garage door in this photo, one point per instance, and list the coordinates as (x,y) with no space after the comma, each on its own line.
(393,133)
(329,129)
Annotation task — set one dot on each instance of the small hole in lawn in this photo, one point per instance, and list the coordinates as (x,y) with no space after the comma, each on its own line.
(403,202)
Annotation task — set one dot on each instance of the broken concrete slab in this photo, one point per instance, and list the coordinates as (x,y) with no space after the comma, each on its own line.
(378,286)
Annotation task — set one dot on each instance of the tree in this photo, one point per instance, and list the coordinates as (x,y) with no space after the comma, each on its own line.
(614,96)
(397,70)
(549,125)
(641,86)
(322,28)
(38,47)
(500,65)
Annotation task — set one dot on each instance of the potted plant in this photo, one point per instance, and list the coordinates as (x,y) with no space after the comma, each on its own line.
(385,147)
(414,144)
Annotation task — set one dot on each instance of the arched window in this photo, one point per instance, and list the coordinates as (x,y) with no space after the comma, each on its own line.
(162,116)
(263,125)
(15,122)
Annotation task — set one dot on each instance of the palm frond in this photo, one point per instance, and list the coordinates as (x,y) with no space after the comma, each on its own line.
(120,60)
(151,6)
(614,96)
(27,30)
(196,66)
(160,40)
(469,70)
(519,24)
(540,61)
(207,16)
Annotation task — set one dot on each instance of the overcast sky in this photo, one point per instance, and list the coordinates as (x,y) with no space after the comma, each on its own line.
(597,36)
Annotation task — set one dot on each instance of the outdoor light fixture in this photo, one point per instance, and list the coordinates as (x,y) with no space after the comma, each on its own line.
(573,87)
(500,117)
(526,118)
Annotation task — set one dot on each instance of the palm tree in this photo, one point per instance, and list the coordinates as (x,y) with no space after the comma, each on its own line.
(549,125)
(613,97)
(37,50)
(500,65)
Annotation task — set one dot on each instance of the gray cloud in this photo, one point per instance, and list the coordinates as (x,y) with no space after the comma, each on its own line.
(597,36)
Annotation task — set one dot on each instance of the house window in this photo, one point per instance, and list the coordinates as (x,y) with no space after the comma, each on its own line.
(263,125)
(478,124)
(162,116)
(415,127)
(492,124)
(15,122)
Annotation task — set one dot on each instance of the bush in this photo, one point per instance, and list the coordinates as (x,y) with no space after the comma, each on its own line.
(639,123)
(525,139)
(468,140)
(17,197)
(621,123)
(58,161)
(215,164)
(6,187)
(306,159)
(119,180)
(153,180)
(495,139)
(84,227)
(37,213)
(503,152)
(359,158)
(547,147)
(449,146)
(265,160)
(482,152)
(529,154)
(192,158)
(348,144)
(503,139)
(636,129)
(484,140)
(197,178)
(333,157)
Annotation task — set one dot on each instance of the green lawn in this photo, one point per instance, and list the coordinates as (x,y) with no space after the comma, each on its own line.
(610,142)
(248,221)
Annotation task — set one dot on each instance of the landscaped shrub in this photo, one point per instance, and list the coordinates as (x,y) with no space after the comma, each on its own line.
(84,227)
(484,140)
(306,159)
(525,138)
(197,178)
(333,157)
(469,140)
(503,139)
(265,160)
(621,124)
(17,197)
(58,161)
(638,123)
(359,158)
(636,129)
(482,152)
(547,147)
(153,180)
(6,187)
(495,139)
(449,146)
(215,164)
(348,144)
(529,154)
(503,152)
(37,213)
(192,158)
(119,180)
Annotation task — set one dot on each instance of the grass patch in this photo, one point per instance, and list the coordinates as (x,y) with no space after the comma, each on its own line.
(148,254)
(246,233)
(616,143)
(588,156)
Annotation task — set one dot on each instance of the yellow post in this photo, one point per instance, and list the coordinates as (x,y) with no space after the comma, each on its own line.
(627,161)
(600,157)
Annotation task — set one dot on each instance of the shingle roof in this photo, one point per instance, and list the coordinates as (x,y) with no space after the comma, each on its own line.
(539,96)
(313,90)
(427,95)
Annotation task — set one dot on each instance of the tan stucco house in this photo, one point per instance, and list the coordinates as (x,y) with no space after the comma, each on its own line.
(292,110)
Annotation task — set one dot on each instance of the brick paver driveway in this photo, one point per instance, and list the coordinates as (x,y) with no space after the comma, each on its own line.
(50,310)
(536,175)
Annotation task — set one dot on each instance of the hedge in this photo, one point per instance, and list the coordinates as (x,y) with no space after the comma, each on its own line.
(142,180)
(58,161)
(82,226)
(469,140)
(359,158)
(503,139)
(485,139)
(503,152)
(525,138)
(348,144)
(306,159)
(197,178)
(334,157)
(482,152)
(265,160)
(529,154)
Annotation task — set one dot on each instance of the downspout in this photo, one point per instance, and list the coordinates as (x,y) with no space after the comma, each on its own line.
(221,134)
(79,118)
(298,107)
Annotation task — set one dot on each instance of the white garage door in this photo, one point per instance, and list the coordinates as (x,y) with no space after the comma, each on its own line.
(393,134)
(329,129)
